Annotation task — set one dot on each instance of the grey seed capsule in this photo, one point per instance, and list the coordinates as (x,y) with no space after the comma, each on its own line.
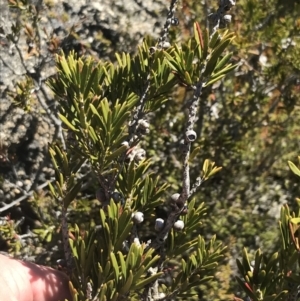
(178,225)
(175,197)
(159,224)
(227,18)
(191,135)
(138,217)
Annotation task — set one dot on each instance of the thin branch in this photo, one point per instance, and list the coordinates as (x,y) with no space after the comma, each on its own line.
(176,210)
(24,197)
(196,185)
(151,292)
(217,19)
(65,237)
(170,17)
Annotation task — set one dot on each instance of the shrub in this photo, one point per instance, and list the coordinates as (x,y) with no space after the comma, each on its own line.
(136,130)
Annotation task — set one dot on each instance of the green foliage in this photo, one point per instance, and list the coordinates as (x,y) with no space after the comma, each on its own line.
(208,55)
(100,260)
(199,266)
(9,233)
(275,277)
(96,100)
(22,97)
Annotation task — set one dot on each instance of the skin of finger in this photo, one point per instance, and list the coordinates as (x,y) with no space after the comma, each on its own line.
(25,281)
